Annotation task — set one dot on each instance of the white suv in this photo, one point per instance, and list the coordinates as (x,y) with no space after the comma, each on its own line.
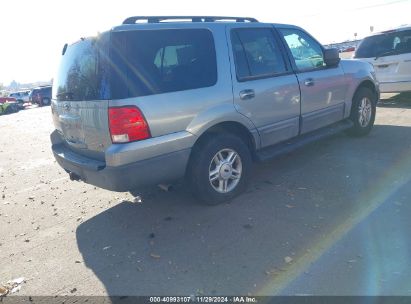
(390,54)
(21,96)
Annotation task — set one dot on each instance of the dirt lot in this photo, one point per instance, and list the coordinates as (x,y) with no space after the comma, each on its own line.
(332,218)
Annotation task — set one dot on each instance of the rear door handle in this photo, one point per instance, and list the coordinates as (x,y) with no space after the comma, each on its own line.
(309,82)
(247,94)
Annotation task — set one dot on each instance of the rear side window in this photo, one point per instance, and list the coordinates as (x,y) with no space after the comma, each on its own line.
(46,91)
(147,62)
(256,53)
(387,44)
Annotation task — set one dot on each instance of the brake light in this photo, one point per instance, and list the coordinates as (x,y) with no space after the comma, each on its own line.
(127,124)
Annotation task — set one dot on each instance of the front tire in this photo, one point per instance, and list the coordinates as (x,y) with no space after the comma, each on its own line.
(219,168)
(363,112)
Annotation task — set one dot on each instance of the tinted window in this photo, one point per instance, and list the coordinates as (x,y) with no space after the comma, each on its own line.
(46,91)
(150,62)
(256,53)
(387,44)
(82,74)
(307,52)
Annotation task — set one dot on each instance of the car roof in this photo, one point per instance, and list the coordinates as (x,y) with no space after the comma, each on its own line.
(397,29)
(42,88)
(164,22)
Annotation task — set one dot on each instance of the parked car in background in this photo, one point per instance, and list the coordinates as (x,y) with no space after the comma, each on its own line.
(21,96)
(7,99)
(41,95)
(348,49)
(8,105)
(390,54)
(149,103)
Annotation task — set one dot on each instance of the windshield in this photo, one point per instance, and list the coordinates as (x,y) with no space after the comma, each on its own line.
(386,44)
(82,74)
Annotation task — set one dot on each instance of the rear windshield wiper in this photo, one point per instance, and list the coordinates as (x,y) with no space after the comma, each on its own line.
(65,96)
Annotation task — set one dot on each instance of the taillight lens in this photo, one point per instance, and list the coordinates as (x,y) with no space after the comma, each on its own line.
(127,124)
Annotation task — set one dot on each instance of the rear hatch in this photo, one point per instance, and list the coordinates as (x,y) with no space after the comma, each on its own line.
(112,82)
(389,53)
(80,97)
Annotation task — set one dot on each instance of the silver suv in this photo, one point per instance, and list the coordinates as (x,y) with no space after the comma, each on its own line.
(157,99)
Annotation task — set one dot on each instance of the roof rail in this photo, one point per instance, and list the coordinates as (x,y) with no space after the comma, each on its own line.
(158,19)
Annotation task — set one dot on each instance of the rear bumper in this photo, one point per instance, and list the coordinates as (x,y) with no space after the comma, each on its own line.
(395,87)
(155,170)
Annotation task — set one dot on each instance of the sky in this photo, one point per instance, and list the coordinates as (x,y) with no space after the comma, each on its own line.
(32,33)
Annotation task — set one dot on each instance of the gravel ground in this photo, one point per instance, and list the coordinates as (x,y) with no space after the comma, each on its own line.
(331,218)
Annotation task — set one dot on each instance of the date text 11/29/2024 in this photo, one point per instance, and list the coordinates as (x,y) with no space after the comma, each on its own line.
(203,299)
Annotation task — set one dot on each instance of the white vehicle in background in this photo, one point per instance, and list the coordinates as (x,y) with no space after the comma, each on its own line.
(21,96)
(390,54)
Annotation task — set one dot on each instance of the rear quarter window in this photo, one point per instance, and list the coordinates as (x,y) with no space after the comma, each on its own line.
(147,62)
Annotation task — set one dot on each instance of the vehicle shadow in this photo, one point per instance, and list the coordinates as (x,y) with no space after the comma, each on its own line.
(172,245)
(402,100)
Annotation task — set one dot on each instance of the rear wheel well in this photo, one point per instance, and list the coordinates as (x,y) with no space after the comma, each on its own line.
(230,127)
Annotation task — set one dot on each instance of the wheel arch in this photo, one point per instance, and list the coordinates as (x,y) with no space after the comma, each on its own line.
(220,135)
(369,85)
(232,127)
(227,127)
(224,118)
(366,83)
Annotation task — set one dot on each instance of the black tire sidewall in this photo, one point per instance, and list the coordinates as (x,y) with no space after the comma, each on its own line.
(200,163)
(11,109)
(42,103)
(357,129)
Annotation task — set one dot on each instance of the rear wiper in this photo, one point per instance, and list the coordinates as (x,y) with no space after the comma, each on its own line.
(64,93)
(65,96)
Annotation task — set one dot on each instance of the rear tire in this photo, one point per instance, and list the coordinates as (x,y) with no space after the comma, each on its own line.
(12,108)
(363,112)
(219,168)
(45,102)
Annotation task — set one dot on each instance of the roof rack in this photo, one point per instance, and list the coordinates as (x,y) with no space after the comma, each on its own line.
(158,19)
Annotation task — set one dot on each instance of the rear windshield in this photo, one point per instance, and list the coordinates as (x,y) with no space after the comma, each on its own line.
(387,44)
(82,74)
(136,63)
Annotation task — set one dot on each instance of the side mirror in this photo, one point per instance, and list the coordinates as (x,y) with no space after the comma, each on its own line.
(331,57)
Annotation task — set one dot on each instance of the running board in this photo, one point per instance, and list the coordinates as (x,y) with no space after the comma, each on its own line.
(302,140)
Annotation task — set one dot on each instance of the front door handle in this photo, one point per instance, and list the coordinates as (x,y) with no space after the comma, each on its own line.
(309,82)
(247,94)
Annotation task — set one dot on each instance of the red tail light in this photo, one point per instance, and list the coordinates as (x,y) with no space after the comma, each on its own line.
(127,124)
